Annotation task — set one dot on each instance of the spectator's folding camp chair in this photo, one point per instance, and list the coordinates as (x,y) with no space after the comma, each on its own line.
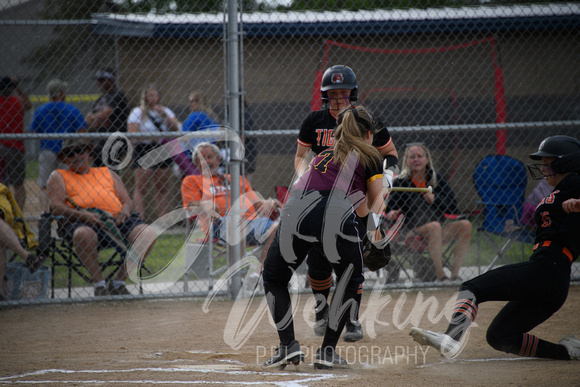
(501,183)
(19,282)
(62,254)
(13,216)
(207,255)
(411,252)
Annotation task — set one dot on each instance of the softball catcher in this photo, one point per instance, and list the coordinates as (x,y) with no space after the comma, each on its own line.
(320,215)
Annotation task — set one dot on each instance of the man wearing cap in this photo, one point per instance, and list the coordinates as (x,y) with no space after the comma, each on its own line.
(56,116)
(12,163)
(109,114)
(95,204)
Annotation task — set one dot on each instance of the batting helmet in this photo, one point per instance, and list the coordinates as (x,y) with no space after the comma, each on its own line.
(565,149)
(339,77)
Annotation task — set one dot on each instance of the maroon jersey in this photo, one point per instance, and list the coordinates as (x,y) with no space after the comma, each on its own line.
(324,174)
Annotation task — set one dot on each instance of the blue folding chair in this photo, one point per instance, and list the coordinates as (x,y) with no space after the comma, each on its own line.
(501,183)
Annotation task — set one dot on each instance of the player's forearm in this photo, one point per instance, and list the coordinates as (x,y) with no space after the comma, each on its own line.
(571,205)
(300,165)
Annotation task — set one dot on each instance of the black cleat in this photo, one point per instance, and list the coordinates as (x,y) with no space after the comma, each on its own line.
(328,359)
(286,354)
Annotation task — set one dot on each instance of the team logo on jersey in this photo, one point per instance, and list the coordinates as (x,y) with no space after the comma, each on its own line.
(337,78)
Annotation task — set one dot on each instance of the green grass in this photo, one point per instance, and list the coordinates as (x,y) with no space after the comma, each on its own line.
(487,252)
(32,169)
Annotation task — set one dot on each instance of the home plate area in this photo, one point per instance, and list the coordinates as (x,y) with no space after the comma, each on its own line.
(183,369)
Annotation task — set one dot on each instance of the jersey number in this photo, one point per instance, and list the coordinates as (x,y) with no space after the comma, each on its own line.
(546,221)
(321,165)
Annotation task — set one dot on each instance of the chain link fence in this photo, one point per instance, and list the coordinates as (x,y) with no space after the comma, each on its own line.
(467,82)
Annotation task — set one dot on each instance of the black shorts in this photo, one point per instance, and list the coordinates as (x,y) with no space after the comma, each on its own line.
(66,230)
(141,150)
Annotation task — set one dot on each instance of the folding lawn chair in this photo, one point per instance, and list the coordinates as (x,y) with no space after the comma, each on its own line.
(62,254)
(501,183)
(410,252)
(20,283)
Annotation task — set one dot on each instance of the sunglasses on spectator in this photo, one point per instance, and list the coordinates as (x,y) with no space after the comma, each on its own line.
(79,150)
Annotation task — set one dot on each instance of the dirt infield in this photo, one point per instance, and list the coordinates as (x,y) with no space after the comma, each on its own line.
(167,342)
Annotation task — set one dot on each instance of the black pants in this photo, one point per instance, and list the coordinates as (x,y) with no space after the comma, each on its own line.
(535,289)
(335,233)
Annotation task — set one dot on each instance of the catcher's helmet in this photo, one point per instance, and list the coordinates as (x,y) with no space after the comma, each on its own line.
(566,150)
(339,77)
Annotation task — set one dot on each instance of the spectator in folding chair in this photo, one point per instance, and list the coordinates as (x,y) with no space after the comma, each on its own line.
(425,214)
(12,231)
(208,195)
(94,202)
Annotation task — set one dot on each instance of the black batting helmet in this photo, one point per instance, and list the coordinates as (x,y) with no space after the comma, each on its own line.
(565,149)
(339,77)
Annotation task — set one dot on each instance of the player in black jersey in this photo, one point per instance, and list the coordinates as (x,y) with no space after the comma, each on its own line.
(321,215)
(339,89)
(535,289)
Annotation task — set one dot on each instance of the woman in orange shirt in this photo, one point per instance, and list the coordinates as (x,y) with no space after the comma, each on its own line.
(81,187)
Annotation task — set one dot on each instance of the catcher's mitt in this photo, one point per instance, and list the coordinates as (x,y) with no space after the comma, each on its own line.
(375,258)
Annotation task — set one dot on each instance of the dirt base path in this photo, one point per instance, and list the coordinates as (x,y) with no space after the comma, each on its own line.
(180,342)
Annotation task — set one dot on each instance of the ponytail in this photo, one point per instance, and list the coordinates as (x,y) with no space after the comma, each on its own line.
(354,124)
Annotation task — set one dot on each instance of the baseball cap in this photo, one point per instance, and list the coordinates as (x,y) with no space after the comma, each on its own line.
(73,145)
(56,85)
(105,74)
